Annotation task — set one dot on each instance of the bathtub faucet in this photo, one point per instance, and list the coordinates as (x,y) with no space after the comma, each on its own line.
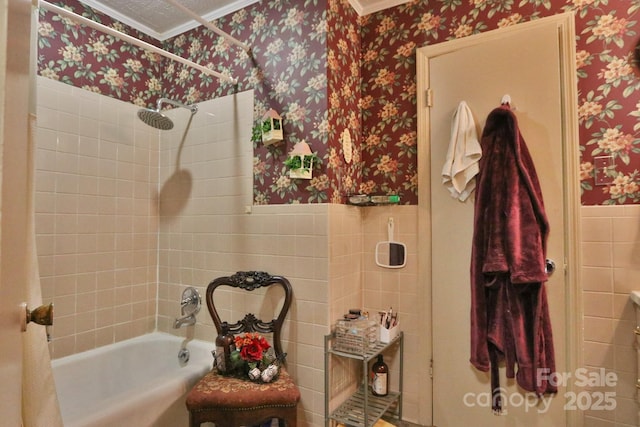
(189,307)
(184,321)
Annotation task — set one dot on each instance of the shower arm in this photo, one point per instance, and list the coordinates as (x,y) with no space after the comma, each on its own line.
(193,108)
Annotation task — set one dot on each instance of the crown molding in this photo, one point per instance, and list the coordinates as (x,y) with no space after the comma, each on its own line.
(366,7)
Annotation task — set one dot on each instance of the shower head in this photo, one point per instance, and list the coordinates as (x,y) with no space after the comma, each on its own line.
(158,120)
(155,119)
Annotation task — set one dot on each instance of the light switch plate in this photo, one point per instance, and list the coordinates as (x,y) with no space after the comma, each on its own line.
(601,166)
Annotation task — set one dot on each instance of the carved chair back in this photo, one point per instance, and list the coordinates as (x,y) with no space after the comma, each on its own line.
(250,281)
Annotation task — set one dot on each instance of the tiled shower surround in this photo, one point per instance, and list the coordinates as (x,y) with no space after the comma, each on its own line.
(96,217)
(126,219)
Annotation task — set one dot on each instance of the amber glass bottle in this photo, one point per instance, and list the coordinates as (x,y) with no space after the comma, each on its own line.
(224,344)
(380,378)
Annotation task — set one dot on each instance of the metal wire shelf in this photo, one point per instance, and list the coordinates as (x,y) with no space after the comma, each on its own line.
(352,411)
(363,408)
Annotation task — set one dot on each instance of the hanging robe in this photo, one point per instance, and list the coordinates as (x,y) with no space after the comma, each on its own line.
(509,311)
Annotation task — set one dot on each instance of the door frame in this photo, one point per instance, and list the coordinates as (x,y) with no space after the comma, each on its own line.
(571,152)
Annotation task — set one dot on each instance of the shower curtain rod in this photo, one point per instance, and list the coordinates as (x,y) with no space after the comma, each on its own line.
(209,25)
(108,30)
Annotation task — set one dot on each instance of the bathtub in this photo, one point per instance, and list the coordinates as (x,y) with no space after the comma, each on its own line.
(137,382)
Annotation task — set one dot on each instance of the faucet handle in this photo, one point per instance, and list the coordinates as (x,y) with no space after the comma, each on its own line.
(190,299)
(191,302)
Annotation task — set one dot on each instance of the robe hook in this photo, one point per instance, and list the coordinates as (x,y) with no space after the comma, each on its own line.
(506,100)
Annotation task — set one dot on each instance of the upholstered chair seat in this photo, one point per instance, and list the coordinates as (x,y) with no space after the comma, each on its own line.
(227,401)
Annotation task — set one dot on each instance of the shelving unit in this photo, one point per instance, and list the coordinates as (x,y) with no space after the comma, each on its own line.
(362,409)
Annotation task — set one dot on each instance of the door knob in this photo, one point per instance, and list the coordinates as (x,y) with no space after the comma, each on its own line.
(42,315)
(549,266)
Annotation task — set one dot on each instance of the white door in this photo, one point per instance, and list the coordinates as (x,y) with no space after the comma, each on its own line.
(15,23)
(526,65)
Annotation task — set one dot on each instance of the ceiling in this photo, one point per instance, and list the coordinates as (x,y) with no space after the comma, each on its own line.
(161,20)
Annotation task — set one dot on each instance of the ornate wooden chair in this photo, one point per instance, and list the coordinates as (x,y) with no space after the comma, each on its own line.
(230,401)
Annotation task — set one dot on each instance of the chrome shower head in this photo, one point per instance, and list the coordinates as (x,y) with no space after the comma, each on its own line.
(158,120)
(155,119)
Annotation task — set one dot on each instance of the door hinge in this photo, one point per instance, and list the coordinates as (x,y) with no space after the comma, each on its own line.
(429,95)
(431,369)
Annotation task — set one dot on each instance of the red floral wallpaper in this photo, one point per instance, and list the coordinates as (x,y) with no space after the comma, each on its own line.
(609,106)
(326,70)
(343,71)
(86,58)
(288,72)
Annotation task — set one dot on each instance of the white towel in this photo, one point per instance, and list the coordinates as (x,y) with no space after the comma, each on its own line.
(461,164)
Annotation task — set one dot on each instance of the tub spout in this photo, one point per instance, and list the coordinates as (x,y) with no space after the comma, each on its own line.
(187,320)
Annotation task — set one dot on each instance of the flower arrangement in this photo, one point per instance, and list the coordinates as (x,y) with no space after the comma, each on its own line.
(252,356)
(251,348)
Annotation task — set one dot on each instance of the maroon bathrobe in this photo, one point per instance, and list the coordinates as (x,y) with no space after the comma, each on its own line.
(509,312)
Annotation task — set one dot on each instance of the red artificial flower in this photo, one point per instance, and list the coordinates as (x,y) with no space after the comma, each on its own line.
(251,346)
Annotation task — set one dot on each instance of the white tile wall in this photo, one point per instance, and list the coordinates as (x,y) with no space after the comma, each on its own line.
(610,271)
(96,236)
(357,282)
(384,288)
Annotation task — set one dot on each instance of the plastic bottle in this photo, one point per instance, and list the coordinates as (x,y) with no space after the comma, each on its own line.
(224,341)
(385,200)
(380,378)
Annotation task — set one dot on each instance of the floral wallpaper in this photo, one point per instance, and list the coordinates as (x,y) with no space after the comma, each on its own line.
(86,58)
(343,95)
(326,70)
(286,68)
(288,72)
(609,107)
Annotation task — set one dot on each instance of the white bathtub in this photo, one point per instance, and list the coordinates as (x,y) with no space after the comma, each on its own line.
(137,382)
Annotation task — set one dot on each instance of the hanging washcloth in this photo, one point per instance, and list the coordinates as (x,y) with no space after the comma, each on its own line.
(461,164)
